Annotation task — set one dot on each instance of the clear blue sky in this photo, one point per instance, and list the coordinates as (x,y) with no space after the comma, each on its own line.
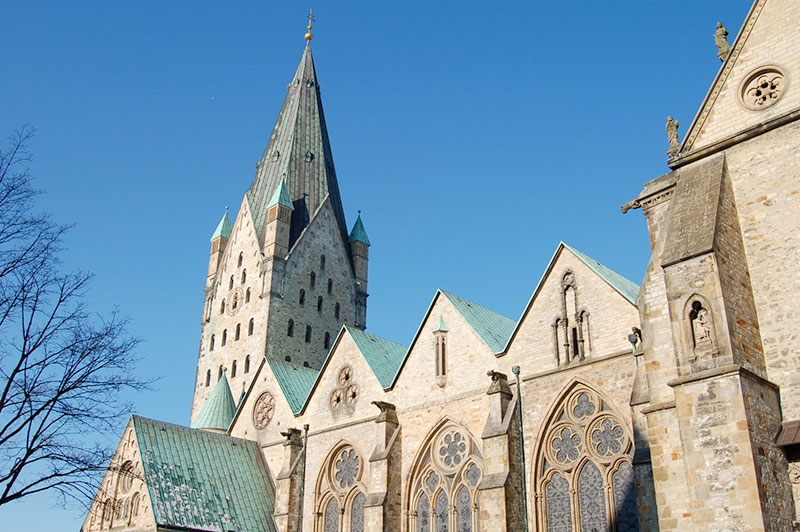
(474,136)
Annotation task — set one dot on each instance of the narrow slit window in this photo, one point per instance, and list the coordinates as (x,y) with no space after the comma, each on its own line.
(319,304)
(290,331)
(308,334)
(225,337)
(250,327)
(238,331)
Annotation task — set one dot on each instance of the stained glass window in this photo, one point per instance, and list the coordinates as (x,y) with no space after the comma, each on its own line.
(357,514)
(423,514)
(591,499)
(332,516)
(559,514)
(625,499)
(463,511)
(442,513)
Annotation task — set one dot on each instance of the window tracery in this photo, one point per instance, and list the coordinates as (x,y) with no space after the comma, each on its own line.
(571,333)
(340,492)
(583,472)
(444,480)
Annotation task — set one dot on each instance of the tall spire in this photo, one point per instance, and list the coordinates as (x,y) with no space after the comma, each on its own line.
(299,153)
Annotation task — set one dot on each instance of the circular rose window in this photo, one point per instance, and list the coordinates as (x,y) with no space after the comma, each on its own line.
(763,88)
(263,410)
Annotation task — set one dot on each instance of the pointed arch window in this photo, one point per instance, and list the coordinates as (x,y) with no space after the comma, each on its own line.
(247,296)
(239,262)
(312,279)
(319,304)
(583,472)
(302,299)
(238,331)
(247,364)
(290,330)
(225,337)
(340,493)
(233,369)
(250,327)
(332,516)
(443,483)
(208,378)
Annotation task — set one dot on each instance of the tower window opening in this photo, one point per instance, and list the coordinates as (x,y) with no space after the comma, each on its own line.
(225,337)
(250,327)
(208,378)
(230,283)
(221,371)
(330,286)
(336,311)
(244,276)
(327,340)
(238,331)
(308,334)
(222,307)
(574,342)
(247,296)
(247,364)
(239,262)
(290,331)
(319,304)
(302,297)
(322,262)
(211,345)
(233,369)
(313,279)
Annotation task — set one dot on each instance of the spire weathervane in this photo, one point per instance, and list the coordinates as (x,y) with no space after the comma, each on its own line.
(311,19)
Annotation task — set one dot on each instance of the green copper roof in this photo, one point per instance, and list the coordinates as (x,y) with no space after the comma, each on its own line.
(204,481)
(383,356)
(296,382)
(299,153)
(219,409)
(441,327)
(359,234)
(626,287)
(494,329)
(281,197)
(223,228)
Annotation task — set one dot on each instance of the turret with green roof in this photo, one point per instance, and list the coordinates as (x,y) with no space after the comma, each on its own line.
(219,410)
(359,248)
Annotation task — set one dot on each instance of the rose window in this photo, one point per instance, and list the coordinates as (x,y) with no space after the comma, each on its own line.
(351,395)
(566,445)
(337,397)
(345,375)
(763,88)
(452,449)
(263,410)
(346,467)
(607,436)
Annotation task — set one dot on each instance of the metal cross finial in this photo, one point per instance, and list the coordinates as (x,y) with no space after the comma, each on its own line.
(311,19)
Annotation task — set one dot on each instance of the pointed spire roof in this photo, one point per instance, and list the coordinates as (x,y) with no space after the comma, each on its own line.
(223,228)
(219,409)
(441,327)
(299,153)
(359,234)
(281,197)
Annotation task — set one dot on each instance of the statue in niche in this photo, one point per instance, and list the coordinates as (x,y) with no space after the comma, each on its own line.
(721,40)
(701,324)
(672,135)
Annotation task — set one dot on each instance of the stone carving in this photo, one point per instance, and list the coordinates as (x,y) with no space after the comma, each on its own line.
(568,280)
(721,40)
(794,472)
(672,135)
(263,410)
(347,467)
(763,89)
(702,330)
(566,445)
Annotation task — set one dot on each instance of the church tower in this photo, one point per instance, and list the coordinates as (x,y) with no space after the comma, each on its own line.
(287,274)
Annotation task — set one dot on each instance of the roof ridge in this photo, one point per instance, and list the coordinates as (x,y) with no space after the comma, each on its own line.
(493,328)
(626,288)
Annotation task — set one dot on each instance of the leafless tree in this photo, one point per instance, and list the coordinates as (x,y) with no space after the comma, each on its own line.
(62,368)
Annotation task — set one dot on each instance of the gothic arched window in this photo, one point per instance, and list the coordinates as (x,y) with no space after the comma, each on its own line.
(313,279)
(302,299)
(233,369)
(247,296)
(583,472)
(211,345)
(250,327)
(208,378)
(330,286)
(444,480)
(225,337)
(247,364)
(332,516)
(244,276)
(238,331)
(340,491)
(319,304)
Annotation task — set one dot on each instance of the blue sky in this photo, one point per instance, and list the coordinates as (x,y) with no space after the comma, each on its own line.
(473,136)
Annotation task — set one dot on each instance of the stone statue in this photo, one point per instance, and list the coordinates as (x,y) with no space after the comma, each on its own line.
(721,40)
(701,326)
(672,135)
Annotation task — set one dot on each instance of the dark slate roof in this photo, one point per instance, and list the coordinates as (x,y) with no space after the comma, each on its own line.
(627,288)
(299,152)
(493,328)
(296,381)
(219,409)
(383,356)
(205,481)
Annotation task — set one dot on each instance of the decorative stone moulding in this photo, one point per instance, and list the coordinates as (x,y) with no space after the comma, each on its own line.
(763,87)
(263,410)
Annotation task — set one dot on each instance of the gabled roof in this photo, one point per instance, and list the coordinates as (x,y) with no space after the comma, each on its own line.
(219,409)
(223,228)
(359,234)
(493,328)
(383,356)
(299,152)
(296,381)
(205,481)
(281,197)
(624,286)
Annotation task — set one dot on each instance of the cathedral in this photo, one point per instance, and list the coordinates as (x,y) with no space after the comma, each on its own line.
(666,406)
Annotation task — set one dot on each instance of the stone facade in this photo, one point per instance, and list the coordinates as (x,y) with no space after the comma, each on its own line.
(607,406)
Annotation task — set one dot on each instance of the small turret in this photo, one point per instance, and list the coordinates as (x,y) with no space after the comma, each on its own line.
(279,217)
(219,410)
(359,247)
(219,239)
